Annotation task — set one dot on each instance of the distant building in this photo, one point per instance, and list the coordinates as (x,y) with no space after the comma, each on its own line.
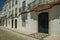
(33,16)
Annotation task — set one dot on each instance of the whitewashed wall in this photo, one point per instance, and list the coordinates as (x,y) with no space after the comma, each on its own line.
(29,1)
(31,25)
(10,23)
(7,23)
(4,23)
(54,25)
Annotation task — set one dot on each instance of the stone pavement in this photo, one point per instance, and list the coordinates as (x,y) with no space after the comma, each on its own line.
(9,35)
(39,35)
(52,38)
(6,34)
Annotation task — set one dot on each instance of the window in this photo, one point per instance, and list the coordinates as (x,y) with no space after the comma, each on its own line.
(12,3)
(16,2)
(23,5)
(29,6)
(15,11)
(9,5)
(43,1)
(19,9)
(40,1)
(24,18)
(12,12)
(9,13)
(23,22)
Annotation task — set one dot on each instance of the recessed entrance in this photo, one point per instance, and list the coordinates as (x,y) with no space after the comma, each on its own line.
(16,23)
(43,22)
(12,23)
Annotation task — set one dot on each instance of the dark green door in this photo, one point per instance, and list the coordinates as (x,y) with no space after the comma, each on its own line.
(16,23)
(43,22)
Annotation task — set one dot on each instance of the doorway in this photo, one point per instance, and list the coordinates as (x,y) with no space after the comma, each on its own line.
(43,22)
(16,23)
(12,23)
(6,22)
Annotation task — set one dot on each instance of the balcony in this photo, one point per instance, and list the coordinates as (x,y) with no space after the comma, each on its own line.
(23,10)
(41,5)
(38,5)
(34,3)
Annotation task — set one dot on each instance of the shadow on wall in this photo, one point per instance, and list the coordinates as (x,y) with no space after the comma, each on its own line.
(54,20)
(54,12)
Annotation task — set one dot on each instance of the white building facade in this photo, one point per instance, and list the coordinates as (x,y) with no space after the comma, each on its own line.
(29,23)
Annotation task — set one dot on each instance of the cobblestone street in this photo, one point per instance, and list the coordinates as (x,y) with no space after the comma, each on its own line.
(9,35)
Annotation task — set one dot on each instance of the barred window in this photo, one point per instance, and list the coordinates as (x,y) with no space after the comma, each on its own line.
(9,4)
(24,5)
(15,11)
(16,2)
(12,13)
(24,17)
(19,9)
(12,3)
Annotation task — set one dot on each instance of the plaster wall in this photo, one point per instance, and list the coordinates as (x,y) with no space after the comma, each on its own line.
(31,25)
(54,20)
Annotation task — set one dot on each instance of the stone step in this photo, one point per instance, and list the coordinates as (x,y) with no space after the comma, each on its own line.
(39,35)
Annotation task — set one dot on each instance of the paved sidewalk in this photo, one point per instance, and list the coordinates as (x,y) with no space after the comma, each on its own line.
(52,38)
(6,34)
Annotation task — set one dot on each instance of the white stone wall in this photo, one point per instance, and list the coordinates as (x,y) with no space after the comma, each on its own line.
(54,26)
(10,23)
(4,23)
(29,1)
(7,23)
(31,24)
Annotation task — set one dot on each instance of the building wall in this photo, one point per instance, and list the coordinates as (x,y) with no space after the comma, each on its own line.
(31,22)
(54,25)
(30,25)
